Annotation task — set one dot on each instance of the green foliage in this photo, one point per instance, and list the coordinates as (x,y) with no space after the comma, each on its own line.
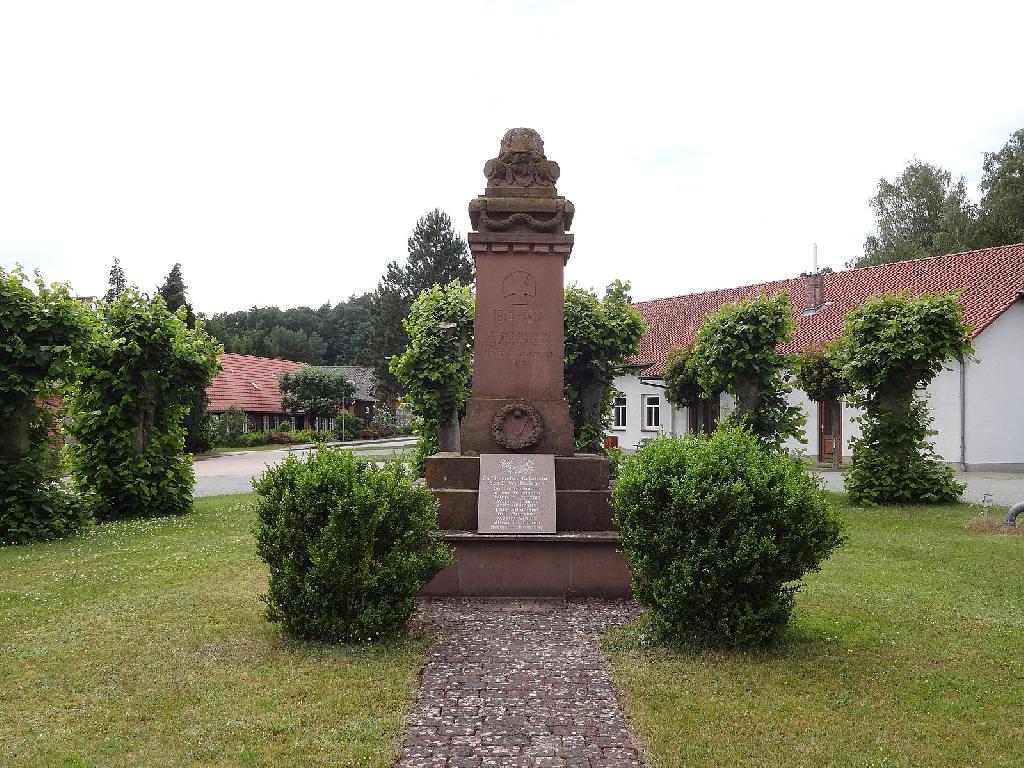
(436,256)
(228,425)
(921,213)
(1001,214)
(138,375)
(39,332)
(736,351)
(337,335)
(718,532)
(895,345)
(600,337)
(682,388)
(315,392)
(116,281)
(348,545)
(819,373)
(435,368)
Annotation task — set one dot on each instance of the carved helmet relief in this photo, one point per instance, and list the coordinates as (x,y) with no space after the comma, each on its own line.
(521,162)
(521,194)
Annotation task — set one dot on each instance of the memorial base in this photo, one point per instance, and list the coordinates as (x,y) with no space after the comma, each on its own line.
(572,564)
(581,559)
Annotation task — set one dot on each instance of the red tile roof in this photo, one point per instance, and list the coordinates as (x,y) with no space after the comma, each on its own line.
(992,279)
(248,382)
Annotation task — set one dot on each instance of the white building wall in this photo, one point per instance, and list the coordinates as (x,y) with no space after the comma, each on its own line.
(995,395)
(994,435)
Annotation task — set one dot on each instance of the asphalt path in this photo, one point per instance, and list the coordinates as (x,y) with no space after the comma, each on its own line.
(234,472)
(1007,488)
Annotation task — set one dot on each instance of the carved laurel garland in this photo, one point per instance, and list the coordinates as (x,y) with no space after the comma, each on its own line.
(529,437)
(501,225)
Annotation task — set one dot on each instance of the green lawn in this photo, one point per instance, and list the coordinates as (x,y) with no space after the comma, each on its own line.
(224,449)
(907,650)
(143,644)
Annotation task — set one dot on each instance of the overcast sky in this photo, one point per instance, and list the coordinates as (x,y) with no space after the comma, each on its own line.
(282,152)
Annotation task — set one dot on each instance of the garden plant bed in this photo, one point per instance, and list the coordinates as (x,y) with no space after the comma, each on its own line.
(144,643)
(905,650)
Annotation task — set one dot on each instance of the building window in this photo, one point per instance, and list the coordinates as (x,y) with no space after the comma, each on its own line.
(266,423)
(652,412)
(619,413)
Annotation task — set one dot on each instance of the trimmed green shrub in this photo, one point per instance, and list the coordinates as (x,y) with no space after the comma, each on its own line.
(348,545)
(138,376)
(719,531)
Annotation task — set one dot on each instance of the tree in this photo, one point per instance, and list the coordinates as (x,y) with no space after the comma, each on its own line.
(600,337)
(923,212)
(1001,214)
(138,375)
(42,330)
(819,373)
(895,345)
(173,293)
(435,368)
(198,428)
(316,392)
(116,281)
(737,351)
(436,257)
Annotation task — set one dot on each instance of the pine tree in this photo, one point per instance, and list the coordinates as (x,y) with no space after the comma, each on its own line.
(436,257)
(116,281)
(173,293)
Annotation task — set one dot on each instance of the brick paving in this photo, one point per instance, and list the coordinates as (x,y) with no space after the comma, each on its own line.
(518,684)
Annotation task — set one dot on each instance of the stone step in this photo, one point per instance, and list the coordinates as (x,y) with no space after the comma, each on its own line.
(571,564)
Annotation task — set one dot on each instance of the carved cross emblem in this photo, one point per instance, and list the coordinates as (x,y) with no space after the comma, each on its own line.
(520,288)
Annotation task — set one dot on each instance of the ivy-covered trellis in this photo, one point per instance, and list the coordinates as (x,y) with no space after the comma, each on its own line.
(39,331)
(435,368)
(819,373)
(894,347)
(138,376)
(600,337)
(738,351)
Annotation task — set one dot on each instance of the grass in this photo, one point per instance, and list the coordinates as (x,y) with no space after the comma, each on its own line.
(906,650)
(143,644)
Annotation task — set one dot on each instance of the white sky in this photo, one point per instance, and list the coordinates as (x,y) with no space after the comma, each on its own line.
(282,152)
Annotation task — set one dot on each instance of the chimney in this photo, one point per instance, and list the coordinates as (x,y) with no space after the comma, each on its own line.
(814,285)
(814,290)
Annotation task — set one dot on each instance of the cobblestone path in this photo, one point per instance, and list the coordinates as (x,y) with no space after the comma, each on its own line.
(518,684)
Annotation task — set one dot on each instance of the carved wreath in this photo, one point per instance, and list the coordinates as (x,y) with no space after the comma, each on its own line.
(516,426)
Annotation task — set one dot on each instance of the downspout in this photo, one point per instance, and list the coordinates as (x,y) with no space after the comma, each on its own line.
(963,413)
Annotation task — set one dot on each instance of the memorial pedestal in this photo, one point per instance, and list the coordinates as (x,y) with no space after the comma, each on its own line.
(510,537)
(581,559)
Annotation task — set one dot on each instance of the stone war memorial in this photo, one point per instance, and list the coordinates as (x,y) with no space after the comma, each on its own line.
(524,514)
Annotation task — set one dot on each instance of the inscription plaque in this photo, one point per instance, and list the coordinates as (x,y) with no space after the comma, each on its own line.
(517,493)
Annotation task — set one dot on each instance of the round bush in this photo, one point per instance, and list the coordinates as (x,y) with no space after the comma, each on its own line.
(718,532)
(348,545)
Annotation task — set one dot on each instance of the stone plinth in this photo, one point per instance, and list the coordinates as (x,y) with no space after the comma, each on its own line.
(560,565)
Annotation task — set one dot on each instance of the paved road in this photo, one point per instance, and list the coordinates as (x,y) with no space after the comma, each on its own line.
(1007,488)
(233,472)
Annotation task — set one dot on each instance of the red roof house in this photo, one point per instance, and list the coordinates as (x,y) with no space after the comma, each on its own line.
(975,402)
(251,384)
(991,279)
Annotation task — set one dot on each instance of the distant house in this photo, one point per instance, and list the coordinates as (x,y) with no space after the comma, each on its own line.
(365,381)
(978,417)
(251,384)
